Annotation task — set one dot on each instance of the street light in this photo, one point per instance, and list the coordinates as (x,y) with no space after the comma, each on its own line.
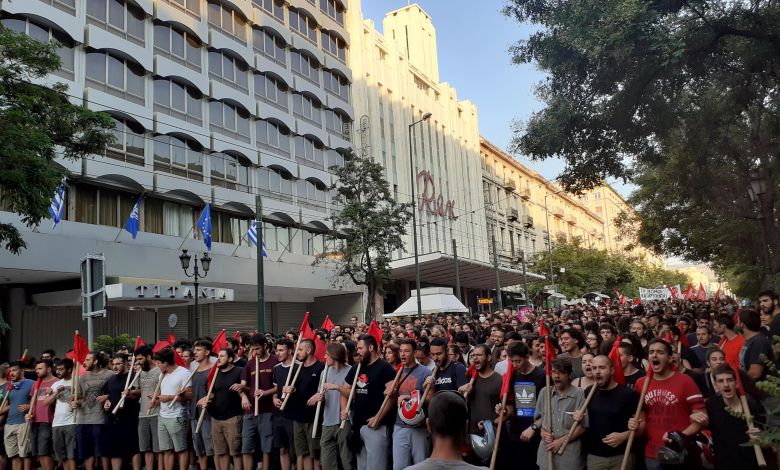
(756,189)
(425,117)
(549,236)
(205,262)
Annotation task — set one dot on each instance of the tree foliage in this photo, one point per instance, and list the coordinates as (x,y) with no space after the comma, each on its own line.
(593,270)
(37,124)
(370,226)
(678,96)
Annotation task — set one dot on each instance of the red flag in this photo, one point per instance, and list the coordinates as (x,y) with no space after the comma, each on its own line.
(683,337)
(319,349)
(177,358)
(668,337)
(212,373)
(171,338)
(614,355)
(9,381)
(688,294)
(138,343)
(162,344)
(675,292)
(376,332)
(702,295)
(621,297)
(717,294)
(237,337)
(549,355)
(37,384)
(542,329)
(80,348)
(328,324)
(306,332)
(506,381)
(637,301)
(220,342)
(449,335)
(472,372)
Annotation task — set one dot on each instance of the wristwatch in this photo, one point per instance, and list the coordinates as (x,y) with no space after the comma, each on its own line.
(535,427)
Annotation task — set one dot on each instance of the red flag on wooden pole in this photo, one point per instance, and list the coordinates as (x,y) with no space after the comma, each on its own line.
(376,332)
(614,356)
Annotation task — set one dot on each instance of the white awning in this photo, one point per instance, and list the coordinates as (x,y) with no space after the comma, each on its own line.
(433,300)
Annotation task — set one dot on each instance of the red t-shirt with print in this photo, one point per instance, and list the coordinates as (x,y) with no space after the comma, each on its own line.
(668,407)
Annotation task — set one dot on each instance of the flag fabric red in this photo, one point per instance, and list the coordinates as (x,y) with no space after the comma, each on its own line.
(328,323)
(542,329)
(162,344)
(675,292)
(506,381)
(549,355)
(668,337)
(171,338)
(637,301)
(319,349)
(717,294)
(212,373)
(305,331)
(614,356)
(449,335)
(702,294)
(683,336)
(376,332)
(472,371)
(621,297)
(37,384)
(177,358)
(9,381)
(237,337)
(689,292)
(220,342)
(80,348)
(138,343)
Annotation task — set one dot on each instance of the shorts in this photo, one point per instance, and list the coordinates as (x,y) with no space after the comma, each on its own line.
(172,433)
(201,441)
(64,442)
(257,428)
(283,432)
(304,443)
(226,435)
(40,439)
(148,438)
(89,440)
(11,439)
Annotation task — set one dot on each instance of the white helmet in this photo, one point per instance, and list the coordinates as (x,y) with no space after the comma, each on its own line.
(483,445)
(411,411)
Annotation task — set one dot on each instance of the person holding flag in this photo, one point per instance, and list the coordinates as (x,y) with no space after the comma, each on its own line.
(90,418)
(171,423)
(282,424)
(333,440)
(525,383)
(15,408)
(258,383)
(451,375)
(199,380)
(63,427)
(411,444)
(41,415)
(144,385)
(122,426)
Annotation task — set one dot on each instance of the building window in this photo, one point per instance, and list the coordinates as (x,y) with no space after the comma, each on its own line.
(102,206)
(272,136)
(335,11)
(303,24)
(336,84)
(269,44)
(275,183)
(230,70)
(118,17)
(180,101)
(179,157)
(305,66)
(128,144)
(179,46)
(312,194)
(229,228)
(597,195)
(271,91)
(274,8)
(337,124)
(230,172)
(308,108)
(334,45)
(229,120)
(118,77)
(191,7)
(335,159)
(230,22)
(65,45)
(307,150)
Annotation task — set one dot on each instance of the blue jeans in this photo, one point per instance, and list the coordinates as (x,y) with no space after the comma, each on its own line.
(652,464)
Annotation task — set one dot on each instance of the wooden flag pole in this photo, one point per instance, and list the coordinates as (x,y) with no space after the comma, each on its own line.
(631,434)
(428,387)
(127,381)
(289,372)
(549,417)
(387,397)
(319,403)
(351,394)
(208,394)
(498,432)
(294,379)
(187,382)
(576,424)
(121,403)
(28,422)
(257,384)
(155,393)
(471,382)
(5,397)
(749,418)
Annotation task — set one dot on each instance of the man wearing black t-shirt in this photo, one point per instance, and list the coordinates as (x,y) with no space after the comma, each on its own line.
(451,375)
(523,436)
(376,376)
(226,406)
(608,414)
(282,424)
(302,407)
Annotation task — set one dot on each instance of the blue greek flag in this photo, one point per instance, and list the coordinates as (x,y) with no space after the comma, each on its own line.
(132,224)
(57,205)
(204,225)
(252,234)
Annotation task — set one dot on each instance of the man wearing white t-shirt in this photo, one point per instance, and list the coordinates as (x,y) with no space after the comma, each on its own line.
(172,421)
(64,425)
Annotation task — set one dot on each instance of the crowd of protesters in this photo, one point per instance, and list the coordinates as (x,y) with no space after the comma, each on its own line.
(509,389)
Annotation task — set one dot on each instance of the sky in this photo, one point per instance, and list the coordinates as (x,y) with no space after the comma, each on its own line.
(473,43)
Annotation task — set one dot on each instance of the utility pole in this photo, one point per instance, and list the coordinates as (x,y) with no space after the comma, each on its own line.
(260,258)
(495,266)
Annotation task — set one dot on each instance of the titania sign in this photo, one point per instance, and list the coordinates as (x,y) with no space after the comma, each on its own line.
(433,203)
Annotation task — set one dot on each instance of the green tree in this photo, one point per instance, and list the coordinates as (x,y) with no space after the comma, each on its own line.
(369,227)
(679,97)
(37,124)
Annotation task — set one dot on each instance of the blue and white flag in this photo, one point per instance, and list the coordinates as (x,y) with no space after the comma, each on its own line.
(132,223)
(252,234)
(57,205)
(204,225)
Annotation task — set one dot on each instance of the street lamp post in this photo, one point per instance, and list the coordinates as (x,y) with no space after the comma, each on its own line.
(425,117)
(756,189)
(205,262)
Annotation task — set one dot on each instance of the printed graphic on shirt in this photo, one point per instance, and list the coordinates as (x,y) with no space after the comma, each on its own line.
(362,383)
(525,399)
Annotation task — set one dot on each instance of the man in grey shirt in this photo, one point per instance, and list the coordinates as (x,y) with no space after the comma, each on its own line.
(90,416)
(333,441)
(145,384)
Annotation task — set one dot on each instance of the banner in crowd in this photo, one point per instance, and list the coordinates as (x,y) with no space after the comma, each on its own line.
(663,293)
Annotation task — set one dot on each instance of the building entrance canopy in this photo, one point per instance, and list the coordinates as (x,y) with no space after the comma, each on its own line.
(140,295)
(439,269)
(433,300)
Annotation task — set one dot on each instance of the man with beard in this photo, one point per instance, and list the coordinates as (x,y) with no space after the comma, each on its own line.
(451,375)
(483,395)
(171,424)
(258,428)
(522,441)
(673,403)
(376,376)
(16,407)
(90,417)
(201,441)
(283,428)
(145,384)
(302,402)
(769,302)
(226,405)
(41,416)
(63,427)
(608,413)
(122,426)
(410,444)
